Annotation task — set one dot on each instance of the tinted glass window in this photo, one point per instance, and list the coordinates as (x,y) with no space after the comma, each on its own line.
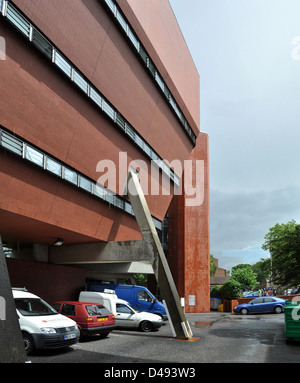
(268,300)
(33,307)
(68,309)
(144,296)
(256,301)
(97,310)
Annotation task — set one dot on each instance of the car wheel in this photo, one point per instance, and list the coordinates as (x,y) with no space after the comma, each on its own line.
(244,311)
(146,326)
(28,343)
(278,309)
(104,334)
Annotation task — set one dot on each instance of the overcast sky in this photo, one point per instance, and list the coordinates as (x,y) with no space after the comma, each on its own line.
(247,53)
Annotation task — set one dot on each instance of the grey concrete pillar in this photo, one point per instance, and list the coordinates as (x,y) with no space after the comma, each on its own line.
(157,257)
(11,341)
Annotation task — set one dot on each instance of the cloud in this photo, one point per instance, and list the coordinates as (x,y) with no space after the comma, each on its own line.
(240,220)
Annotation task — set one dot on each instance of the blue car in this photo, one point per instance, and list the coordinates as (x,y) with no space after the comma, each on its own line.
(261,305)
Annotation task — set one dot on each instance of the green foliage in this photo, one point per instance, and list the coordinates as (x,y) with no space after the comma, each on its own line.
(213,266)
(230,290)
(141,279)
(245,276)
(215,292)
(262,269)
(283,243)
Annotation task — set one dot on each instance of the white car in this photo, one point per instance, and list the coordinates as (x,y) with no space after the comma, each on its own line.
(128,316)
(125,314)
(42,327)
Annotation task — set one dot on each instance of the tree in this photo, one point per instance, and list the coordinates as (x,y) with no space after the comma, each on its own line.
(245,276)
(262,269)
(231,290)
(283,244)
(213,266)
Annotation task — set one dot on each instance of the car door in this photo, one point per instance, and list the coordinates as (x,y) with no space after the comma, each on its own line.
(125,316)
(269,304)
(257,305)
(144,302)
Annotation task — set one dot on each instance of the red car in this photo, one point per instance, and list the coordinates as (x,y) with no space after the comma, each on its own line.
(91,318)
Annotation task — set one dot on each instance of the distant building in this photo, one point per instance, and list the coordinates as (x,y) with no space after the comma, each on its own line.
(220,276)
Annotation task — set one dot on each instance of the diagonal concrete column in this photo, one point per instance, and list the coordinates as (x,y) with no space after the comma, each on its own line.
(160,266)
(11,341)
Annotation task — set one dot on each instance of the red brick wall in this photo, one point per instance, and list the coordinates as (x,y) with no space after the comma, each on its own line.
(188,253)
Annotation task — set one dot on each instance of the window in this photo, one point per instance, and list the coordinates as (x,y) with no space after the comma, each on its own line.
(53,166)
(41,43)
(11,143)
(33,307)
(70,176)
(97,310)
(62,63)
(108,110)
(122,21)
(68,309)
(123,309)
(18,20)
(144,296)
(109,197)
(99,191)
(34,156)
(95,97)
(268,300)
(259,300)
(133,39)
(86,184)
(80,81)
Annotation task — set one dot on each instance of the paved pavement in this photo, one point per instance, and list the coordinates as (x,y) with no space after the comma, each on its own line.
(218,338)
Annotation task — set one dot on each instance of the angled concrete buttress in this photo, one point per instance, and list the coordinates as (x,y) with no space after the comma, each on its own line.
(11,341)
(157,257)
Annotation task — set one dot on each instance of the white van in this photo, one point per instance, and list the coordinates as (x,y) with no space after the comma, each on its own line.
(125,314)
(41,326)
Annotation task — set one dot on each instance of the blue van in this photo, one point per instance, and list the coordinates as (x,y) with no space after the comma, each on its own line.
(138,296)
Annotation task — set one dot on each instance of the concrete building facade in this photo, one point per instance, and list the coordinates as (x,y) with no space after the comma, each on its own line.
(90,89)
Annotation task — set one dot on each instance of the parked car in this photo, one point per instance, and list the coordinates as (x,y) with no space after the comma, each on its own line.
(91,318)
(42,327)
(251,294)
(261,305)
(126,315)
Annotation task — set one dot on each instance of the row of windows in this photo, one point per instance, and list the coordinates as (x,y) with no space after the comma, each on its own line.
(57,58)
(150,65)
(52,165)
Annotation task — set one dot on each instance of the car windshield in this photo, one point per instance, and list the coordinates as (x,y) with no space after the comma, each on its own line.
(97,310)
(34,307)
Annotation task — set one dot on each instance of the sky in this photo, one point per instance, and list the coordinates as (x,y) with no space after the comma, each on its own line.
(247,53)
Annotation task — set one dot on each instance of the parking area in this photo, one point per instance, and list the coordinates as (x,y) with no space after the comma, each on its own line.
(219,338)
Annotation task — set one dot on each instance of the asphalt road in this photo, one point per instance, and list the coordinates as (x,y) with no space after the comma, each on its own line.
(219,338)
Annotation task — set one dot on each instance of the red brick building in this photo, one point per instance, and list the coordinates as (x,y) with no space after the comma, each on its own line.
(82,82)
